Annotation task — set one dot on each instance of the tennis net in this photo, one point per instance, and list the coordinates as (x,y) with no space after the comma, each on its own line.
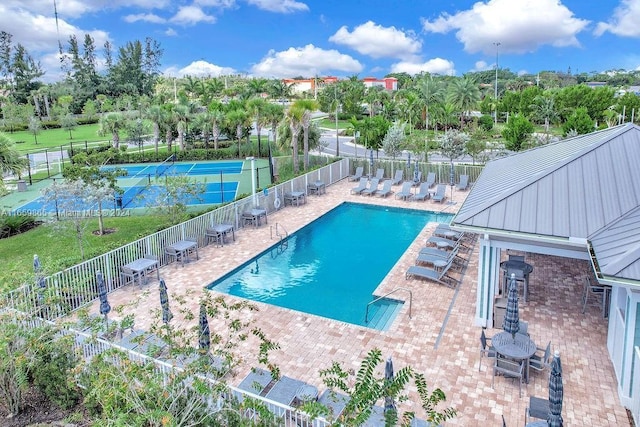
(163,167)
(134,191)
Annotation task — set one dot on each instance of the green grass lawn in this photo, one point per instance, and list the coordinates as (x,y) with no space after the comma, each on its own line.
(57,247)
(54,138)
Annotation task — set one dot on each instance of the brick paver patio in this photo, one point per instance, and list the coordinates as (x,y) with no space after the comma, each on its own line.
(439,340)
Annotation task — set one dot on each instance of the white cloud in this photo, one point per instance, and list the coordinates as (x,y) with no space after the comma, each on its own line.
(77,8)
(220,4)
(191,15)
(199,69)
(170,32)
(280,6)
(624,21)
(145,17)
(482,66)
(433,66)
(305,61)
(378,41)
(519,25)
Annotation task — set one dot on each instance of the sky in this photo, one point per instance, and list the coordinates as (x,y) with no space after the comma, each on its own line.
(290,38)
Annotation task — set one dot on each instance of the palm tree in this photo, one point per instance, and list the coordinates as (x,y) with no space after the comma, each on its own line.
(432,92)
(112,123)
(307,106)
(273,115)
(464,94)
(256,107)
(11,161)
(217,120)
(238,119)
(155,115)
(543,108)
(181,117)
(294,119)
(280,90)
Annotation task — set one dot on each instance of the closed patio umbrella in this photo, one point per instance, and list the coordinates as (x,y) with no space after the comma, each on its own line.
(105,308)
(164,302)
(556,392)
(389,404)
(42,284)
(204,338)
(415,172)
(511,321)
(371,162)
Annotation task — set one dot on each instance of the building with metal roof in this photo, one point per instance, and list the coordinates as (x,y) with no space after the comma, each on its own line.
(577,198)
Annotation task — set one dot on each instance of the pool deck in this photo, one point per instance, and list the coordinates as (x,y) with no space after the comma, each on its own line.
(440,340)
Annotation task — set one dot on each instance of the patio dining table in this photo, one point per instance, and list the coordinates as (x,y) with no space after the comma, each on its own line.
(220,232)
(181,249)
(522,271)
(142,266)
(520,347)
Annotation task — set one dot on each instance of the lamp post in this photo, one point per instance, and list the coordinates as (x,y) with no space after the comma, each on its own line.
(253,180)
(497,45)
(338,106)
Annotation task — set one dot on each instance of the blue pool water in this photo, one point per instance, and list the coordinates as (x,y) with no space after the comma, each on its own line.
(332,266)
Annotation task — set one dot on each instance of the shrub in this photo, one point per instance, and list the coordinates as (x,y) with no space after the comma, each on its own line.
(486,122)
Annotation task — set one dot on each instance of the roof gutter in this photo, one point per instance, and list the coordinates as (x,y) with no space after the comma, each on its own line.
(574,242)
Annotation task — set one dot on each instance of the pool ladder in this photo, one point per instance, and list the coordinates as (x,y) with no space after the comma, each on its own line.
(284,240)
(366,315)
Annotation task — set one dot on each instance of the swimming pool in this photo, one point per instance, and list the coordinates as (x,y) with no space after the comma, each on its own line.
(332,266)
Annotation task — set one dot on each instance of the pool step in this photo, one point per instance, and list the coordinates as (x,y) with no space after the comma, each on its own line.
(383,312)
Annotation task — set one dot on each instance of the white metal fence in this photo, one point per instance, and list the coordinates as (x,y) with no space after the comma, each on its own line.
(76,286)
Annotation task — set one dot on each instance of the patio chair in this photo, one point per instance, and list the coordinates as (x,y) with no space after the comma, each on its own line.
(464,183)
(335,403)
(379,174)
(486,350)
(373,187)
(524,328)
(436,258)
(173,254)
(256,381)
(397,179)
(431,179)
(405,192)
(440,195)
(361,186)
(538,408)
(423,192)
(595,291)
(358,174)
(386,189)
(540,362)
(443,242)
(127,275)
(287,391)
(509,369)
(431,274)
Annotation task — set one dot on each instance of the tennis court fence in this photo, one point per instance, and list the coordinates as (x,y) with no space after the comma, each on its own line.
(76,286)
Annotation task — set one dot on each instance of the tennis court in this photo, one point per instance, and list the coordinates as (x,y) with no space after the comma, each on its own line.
(143,186)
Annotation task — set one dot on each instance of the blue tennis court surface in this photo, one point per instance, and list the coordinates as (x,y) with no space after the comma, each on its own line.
(179,168)
(136,197)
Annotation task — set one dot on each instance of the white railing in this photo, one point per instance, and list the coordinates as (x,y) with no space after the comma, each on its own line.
(76,286)
(635,392)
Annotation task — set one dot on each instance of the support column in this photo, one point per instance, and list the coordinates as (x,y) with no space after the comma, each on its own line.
(488,276)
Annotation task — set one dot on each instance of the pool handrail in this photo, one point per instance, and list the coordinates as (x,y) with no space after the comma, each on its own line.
(366,315)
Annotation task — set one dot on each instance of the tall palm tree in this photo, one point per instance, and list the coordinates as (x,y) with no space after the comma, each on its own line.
(155,115)
(294,120)
(217,120)
(307,106)
(543,108)
(273,115)
(238,119)
(432,92)
(181,115)
(464,94)
(112,123)
(11,161)
(256,107)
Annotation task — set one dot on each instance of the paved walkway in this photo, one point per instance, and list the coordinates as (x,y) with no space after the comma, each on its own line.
(440,339)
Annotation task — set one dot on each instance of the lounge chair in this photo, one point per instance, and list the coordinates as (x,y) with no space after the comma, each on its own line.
(417,179)
(361,186)
(287,390)
(431,179)
(256,381)
(373,187)
(444,230)
(405,193)
(433,258)
(437,276)
(379,174)
(386,189)
(397,179)
(358,174)
(423,192)
(440,193)
(464,183)
(443,242)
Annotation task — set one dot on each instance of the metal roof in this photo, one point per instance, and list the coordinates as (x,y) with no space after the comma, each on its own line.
(586,187)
